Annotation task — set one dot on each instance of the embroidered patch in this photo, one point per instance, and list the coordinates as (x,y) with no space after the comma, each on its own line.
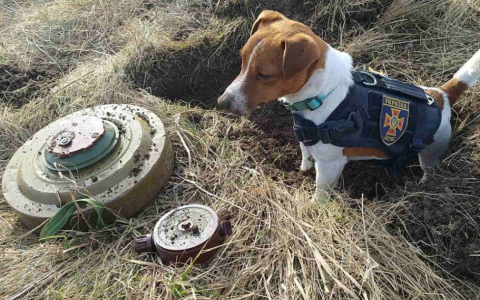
(393,119)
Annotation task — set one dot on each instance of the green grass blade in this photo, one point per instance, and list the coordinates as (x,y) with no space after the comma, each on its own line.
(99,208)
(58,220)
(52,237)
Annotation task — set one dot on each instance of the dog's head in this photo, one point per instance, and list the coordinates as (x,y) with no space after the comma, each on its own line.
(277,60)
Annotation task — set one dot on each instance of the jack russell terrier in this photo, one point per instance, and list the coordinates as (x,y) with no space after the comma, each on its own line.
(341,114)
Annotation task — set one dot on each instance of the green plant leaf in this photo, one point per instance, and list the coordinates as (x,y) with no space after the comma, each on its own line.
(99,208)
(178,290)
(61,217)
(58,221)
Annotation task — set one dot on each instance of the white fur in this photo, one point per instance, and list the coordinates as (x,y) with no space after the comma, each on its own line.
(430,156)
(469,73)
(236,87)
(335,79)
(307,163)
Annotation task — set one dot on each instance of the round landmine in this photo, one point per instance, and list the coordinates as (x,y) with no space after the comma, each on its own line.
(188,232)
(119,154)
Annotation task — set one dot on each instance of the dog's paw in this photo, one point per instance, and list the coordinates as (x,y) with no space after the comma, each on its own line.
(424,179)
(321,196)
(306,165)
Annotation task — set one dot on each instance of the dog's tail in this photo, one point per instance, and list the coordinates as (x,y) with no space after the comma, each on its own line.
(465,78)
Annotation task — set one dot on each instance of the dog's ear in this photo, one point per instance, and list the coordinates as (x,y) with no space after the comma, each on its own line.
(265,18)
(300,52)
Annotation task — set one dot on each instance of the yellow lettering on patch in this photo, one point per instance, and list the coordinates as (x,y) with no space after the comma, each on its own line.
(389,138)
(396,103)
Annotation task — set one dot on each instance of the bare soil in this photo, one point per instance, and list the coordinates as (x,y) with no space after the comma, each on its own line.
(18,87)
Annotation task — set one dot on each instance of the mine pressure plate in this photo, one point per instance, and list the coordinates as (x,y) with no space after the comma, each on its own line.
(183,233)
(118,154)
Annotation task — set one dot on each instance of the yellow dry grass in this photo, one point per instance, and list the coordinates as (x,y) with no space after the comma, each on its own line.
(284,246)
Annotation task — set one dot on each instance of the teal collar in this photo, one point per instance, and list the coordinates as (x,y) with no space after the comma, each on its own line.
(308,104)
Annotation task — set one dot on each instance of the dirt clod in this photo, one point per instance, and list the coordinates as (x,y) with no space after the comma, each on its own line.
(136,157)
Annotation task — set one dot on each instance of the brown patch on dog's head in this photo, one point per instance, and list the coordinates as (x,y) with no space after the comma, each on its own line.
(265,18)
(277,60)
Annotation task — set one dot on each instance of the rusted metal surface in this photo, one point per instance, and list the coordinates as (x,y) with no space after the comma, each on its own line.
(75,135)
(144,243)
(181,234)
(89,155)
(125,181)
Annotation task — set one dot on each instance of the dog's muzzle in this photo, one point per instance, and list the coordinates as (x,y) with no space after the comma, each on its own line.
(225,101)
(233,102)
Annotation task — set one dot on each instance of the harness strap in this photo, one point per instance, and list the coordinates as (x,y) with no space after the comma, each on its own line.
(308,133)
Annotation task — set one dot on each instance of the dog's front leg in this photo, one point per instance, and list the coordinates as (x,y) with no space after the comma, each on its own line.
(307,162)
(328,173)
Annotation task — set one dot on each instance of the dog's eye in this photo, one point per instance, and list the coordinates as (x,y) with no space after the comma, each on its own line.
(263,76)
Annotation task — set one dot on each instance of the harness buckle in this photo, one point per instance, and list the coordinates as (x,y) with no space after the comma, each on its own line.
(349,122)
(313,104)
(335,130)
(430,100)
(346,126)
(374,79)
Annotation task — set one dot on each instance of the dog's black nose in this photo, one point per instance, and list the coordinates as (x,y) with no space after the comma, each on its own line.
(225,101)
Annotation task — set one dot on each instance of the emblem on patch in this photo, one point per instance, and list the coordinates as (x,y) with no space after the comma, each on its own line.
(393,119)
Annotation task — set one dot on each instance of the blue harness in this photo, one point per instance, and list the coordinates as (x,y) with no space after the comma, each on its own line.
(378,112)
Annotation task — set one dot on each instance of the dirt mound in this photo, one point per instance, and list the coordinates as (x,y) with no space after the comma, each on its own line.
(442,217)
(194,74)
(271,141)
(18,87)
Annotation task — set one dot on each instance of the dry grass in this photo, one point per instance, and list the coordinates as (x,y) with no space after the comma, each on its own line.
(284,246)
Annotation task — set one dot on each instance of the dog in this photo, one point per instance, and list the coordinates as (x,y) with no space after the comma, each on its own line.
(284,59)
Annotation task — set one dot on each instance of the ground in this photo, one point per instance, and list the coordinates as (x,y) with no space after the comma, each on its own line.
(374,239)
